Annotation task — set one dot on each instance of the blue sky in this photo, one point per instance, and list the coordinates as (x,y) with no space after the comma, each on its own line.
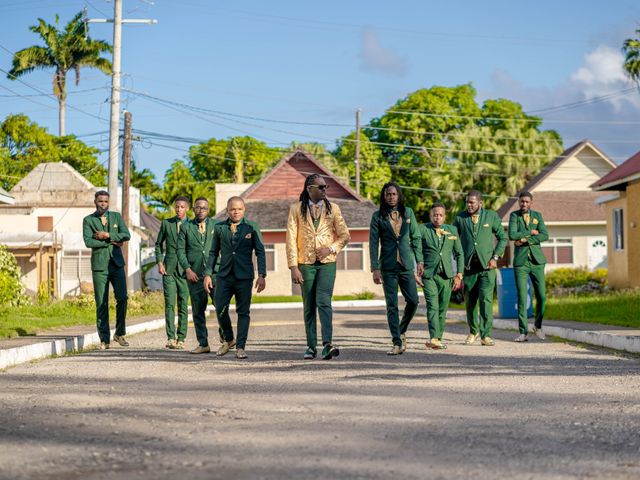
(317,62)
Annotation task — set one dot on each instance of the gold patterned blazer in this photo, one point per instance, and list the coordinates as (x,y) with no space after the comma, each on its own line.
(303,238)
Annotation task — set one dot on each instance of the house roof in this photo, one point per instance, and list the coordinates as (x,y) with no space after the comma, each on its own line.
(53,184)
(286,180)
(272,214)
(626,171)
(5,197)
(567,206)
(512,203)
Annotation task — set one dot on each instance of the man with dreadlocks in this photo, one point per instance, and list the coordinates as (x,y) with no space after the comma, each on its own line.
(316,232)
(394,232)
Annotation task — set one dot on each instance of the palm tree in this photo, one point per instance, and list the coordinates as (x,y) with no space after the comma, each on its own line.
(631,49)
(65,50)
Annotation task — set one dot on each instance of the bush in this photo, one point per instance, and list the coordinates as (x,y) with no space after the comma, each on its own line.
(576,280)
(365,295)
(11,288)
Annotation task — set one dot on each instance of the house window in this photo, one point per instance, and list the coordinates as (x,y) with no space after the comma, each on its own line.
(558,251)
(45,224)
(76,265)
(351,257)
(618,229)
(270,254)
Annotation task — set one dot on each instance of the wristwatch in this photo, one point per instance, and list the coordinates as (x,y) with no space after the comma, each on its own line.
(332,248)
(496,258)
(262,275)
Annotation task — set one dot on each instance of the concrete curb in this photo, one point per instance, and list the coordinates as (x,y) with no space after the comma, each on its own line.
(614,341)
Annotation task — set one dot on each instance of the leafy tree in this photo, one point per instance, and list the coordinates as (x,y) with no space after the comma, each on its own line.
(11,288)
(24,144)
(631,50)
(439,143)
(64,50)
(374,170)
(143,180)
(179,180)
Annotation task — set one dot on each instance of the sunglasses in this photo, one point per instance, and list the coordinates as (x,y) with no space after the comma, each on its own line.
(320,187)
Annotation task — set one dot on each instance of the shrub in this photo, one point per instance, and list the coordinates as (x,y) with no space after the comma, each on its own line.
(11,288)
(576,280)
(365,295)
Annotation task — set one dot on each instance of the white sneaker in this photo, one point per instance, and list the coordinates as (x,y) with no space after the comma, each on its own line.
(539,333)
(521,338)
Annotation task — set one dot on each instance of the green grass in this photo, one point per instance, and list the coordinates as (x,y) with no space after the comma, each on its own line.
(31,319)
(620,308)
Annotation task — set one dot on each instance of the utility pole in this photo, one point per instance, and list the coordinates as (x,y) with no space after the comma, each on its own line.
(114,123)
(358,151)
(126,182)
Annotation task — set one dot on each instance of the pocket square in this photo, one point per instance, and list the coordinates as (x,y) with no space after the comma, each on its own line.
(115,225)
(452,238)
(485,225)
(535,221)
(247,236)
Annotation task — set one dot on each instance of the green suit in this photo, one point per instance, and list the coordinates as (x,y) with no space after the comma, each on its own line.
(479,281)
(396,260)
(107,266)
(236,273)
(438,251)
(174,282)
(529,262)
(193,253)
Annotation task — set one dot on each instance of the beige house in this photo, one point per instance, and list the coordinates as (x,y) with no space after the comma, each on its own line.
(562,193)
(622,208)
(43,229)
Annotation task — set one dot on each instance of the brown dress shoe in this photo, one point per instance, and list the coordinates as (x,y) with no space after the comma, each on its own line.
(171,343)
(396,350)
(201,349)
(471,338)
(240,354)
(224,349)
(104,346)
(121,340)
(487,342)
(179,345)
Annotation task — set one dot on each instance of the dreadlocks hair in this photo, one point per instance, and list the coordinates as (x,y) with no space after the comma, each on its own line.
(385,209)
(304,196)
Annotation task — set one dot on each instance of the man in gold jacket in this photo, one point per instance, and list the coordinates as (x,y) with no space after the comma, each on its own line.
(316,232)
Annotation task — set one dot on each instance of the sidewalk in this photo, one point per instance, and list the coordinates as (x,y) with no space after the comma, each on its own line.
(14,351)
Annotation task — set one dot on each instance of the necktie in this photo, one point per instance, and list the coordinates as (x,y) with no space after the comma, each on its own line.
(178,227)
(474,218)
(526,217)
(103,220)
(233,227)
(439,232)
(316,211)
(202,227)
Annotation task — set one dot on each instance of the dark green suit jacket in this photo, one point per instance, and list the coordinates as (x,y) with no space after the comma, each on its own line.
(382,238)
(519,230)
(102,252)
(440,250)
(236,254)
(167,245)
(482,242)
(194,247)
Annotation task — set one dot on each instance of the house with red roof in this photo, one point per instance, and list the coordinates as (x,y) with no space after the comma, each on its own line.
(576,222)
(621,203)
(267,203)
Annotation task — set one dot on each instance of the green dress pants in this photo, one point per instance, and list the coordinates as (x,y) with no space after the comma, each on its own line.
(175,288)
(437,293)
(199,299)
(117,277)
(391,280)
(227,287)
(479,286)
(317,291)
(522,274)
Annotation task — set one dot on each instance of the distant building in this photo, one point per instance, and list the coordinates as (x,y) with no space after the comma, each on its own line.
(43,229)
(562,193)
(621,202)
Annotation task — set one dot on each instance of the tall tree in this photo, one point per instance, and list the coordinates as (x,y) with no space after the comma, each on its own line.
(64,50)
(24,144)
(631,50)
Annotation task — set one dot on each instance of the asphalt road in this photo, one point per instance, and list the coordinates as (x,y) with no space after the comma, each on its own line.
(538,410)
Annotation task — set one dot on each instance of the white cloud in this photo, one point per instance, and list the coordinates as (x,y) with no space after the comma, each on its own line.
(602,71)
(378,59)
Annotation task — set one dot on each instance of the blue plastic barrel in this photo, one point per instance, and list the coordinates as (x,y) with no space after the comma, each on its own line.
(508,295)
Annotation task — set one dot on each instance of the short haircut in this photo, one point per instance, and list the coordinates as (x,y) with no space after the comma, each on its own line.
(476,194)
(525,194)
(439,205)
(182,198)
(101,193)
(235,199)
(201,198)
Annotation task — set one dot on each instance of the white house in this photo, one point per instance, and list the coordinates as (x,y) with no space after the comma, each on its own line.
(43,229)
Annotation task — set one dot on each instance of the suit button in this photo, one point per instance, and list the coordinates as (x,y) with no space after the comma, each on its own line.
(234,253)
(475,243)
(440,253)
